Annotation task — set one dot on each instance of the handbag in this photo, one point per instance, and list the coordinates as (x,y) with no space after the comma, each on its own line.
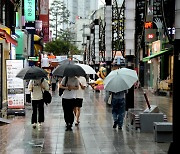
(47,97)
(61,91)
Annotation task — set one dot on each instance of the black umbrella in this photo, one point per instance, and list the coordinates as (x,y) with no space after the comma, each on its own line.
(33,72)
(69,70)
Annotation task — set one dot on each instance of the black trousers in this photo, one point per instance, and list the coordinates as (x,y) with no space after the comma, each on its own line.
(53,86)
(38,111)
(68,107)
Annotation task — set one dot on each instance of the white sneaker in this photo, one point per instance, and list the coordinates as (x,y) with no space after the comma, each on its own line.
(40,124)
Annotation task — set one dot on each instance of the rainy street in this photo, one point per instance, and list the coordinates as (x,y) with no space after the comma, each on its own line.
(93,135)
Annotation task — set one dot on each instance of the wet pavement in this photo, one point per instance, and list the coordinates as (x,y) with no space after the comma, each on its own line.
(94,135)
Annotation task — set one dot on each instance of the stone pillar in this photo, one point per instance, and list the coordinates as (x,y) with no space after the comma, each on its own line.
(108,35)
(130,44)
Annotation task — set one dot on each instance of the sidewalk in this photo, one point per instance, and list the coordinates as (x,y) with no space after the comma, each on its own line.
(94,135)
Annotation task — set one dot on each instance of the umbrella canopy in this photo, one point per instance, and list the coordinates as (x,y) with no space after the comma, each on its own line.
(69,70)
(33,72)
(88,69)
(120,79)
(67,61)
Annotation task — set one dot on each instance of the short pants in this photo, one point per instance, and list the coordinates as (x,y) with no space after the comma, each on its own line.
(78,102)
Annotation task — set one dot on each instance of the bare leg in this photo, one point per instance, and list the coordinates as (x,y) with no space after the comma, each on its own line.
(74,111)
(78,113)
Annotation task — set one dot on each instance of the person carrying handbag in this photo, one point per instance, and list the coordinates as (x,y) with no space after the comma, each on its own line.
(68,99)
(36,87)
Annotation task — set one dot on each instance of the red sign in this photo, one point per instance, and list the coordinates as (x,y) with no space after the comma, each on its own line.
(150,36)
(148,25)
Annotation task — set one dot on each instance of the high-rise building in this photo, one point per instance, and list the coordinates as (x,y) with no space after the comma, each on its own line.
(80,8)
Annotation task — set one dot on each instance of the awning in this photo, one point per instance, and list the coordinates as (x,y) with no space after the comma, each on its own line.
(5,35)
(156,55)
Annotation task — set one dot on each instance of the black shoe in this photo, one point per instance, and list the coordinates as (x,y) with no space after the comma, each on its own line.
(67,128)
(77,123)
(34,125)
(70,129)
(119,127)
(115,125)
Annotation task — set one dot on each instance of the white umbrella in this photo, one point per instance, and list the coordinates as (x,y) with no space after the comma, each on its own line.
(120,79)
(88,69)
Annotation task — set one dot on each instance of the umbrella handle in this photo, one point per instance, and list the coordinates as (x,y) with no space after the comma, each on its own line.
(147,101)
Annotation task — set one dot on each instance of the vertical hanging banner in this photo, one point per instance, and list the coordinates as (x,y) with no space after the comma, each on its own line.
(44,17)
(15,86)
(29,10)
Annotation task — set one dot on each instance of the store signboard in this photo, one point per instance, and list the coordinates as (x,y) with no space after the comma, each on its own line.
(15,86)
(29,10)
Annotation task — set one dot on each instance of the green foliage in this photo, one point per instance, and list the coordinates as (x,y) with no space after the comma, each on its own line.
(61,47)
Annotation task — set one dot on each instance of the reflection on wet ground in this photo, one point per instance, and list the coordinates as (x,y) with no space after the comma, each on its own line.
(94,135)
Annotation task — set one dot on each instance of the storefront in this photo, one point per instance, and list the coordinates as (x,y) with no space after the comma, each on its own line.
(5,47)
(160,62)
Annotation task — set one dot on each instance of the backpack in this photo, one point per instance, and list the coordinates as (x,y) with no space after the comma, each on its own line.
(46,95)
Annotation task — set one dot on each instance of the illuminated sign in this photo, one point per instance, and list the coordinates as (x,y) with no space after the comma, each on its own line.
(148,25)
(150,36)
(29,10)
(17,19)
(33,58)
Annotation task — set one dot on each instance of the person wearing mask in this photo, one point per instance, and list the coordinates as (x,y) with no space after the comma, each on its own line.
(70,85)
(36,88)
(79,98)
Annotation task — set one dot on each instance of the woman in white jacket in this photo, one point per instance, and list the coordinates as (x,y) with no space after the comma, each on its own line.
(36,87)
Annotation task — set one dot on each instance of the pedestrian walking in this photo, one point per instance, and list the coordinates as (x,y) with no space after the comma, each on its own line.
(53,82)
(79,98)
(118,108)
(70,85)
(36,87)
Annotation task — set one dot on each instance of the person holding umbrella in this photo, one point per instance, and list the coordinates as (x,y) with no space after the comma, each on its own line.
(118,104)
(70,85)
(117,82)
(36,87)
